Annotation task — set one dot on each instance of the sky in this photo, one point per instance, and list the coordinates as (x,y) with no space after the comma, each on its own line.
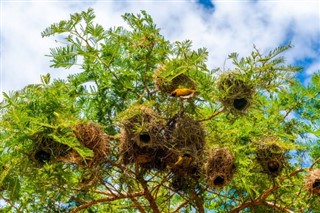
(222,26)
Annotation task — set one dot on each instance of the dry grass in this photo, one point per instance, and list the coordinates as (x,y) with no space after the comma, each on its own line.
(271,156)
(312,182)
(234,93)
(219,168)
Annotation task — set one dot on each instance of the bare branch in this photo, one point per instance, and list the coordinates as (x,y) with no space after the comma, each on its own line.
(282,208)
(137,205)
(10,203)
(106,199)
(199,202)
(245,205)
(181,206)
(148,195)
(314,163)
(213,115)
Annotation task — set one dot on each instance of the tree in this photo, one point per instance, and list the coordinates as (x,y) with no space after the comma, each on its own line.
(116,138)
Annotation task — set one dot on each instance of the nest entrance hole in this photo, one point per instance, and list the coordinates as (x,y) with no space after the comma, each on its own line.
(145,137)
(273,166)
(42,156)
(240,103)
(219,180)
(316,184)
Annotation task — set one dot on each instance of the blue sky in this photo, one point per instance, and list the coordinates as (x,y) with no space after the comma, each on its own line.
(222,26)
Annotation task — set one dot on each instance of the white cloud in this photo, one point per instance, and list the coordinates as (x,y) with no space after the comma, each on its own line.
(233,26)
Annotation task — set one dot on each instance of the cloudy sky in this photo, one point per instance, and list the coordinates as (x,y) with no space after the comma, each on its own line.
(222,26)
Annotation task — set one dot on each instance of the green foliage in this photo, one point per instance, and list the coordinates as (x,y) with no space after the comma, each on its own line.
(121,68)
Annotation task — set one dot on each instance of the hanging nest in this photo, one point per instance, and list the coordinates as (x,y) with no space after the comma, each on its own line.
(220,168)
(234,93)
(141,138)
(46,148)
(271,156)
(167,86)
(92,136)
(312,182)
(185,143)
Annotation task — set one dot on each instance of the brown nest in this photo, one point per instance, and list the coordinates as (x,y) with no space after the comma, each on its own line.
(92,136)
(185,140)
(142,138)
(271,157)
(167,85)
(234,93)
(312,182)
(220,167)
(47,148)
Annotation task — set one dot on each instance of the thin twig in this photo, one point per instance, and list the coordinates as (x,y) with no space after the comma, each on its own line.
(263,197)
(298,104)
(314,163)
(181,206)
(10,203)
(213,115)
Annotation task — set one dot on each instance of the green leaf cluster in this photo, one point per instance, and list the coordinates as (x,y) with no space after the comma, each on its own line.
(122,68)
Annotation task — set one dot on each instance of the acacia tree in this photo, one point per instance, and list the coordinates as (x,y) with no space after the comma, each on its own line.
(146,126)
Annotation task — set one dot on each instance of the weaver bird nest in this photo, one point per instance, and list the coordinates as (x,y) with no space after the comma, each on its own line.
(312,182)
(220,168)
(185,138)
(46,148)
(234,92)
(92,136)
(142,140)
(168,84)
(185,144)
(271,156)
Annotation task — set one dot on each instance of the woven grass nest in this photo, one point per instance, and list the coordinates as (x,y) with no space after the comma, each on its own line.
(142,140)
(167,86)
(312,182)
(220,168)
(234,93)
(46,148)
(185,145)
(271,156)
(185,139)
(92,136)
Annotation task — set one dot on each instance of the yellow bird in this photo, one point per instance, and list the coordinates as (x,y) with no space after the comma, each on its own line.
(183,161)
(183,93)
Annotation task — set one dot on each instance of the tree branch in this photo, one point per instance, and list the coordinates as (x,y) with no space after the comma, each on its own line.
(199,202)
(263,197)
(137,205)
(106,199)
(148,196)
(181,206)
(213,115)
(10,203)
(314,163)
(282,208)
